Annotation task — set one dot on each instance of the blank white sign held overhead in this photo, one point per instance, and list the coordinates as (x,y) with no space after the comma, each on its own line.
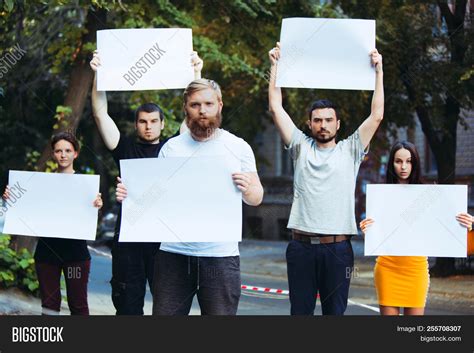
(181,199)
(52,205)
(416,220)
(144,59)
(326,53)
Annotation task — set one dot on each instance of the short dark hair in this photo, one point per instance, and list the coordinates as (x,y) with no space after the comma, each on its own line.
(149,108)
(67,136)
(415,175)
(322,104)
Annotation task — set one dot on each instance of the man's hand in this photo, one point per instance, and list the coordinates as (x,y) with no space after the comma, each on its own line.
(242,181)
(121,191)
(274,54)
(251,187)
(95,62)
(6,193)
(376,60)
(197,63)
(98,203)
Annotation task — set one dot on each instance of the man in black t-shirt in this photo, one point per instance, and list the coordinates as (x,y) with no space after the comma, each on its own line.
(132,263)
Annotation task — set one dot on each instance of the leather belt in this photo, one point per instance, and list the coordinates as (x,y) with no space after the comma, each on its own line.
(313,238)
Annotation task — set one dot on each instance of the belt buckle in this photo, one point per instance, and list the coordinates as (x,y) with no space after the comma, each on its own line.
(315,240)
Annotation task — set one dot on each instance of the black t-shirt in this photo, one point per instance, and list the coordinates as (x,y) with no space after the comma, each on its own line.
(128,148)
(58,251)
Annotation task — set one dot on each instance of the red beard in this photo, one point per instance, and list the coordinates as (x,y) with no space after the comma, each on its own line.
(204,128)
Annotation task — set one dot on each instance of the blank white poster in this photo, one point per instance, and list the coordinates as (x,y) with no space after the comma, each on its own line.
(181,200)
(416,220)
(52,205)
(326,53)
(144,59)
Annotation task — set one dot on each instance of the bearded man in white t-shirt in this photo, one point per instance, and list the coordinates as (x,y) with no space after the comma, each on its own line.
(209,270)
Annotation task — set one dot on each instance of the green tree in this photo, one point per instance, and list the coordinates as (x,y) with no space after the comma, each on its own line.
(47,90)
(428,47)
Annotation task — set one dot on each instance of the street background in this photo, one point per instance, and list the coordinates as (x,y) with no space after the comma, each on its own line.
(263,265)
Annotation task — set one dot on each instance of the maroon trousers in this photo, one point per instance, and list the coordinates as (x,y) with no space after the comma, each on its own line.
(76,275)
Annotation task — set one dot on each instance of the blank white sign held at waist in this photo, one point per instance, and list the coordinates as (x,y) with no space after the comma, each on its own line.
(416,220)
(174,199)
(53,205)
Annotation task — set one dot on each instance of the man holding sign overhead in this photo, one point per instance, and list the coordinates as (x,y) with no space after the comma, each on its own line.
(320,257)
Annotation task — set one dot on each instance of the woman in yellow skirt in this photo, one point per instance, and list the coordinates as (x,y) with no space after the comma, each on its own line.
(403,281)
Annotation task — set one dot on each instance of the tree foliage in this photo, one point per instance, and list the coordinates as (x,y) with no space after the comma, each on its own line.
(428,65)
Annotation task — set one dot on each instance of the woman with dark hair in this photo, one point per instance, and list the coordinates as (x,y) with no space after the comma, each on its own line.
(55,255)
(403,281)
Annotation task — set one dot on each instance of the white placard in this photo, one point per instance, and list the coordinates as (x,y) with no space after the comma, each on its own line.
(144,59)
(326,53)
(177,199)
(416,220)
(52,205)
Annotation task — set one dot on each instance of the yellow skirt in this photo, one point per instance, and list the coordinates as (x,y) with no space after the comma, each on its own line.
(470,243)
(402,281)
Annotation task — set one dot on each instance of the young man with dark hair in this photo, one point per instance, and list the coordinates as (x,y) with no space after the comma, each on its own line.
(322,220)
(132,263)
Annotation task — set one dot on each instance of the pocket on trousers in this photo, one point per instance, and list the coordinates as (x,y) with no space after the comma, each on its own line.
(289,250)
(345,253)
(235,263)
(295,249)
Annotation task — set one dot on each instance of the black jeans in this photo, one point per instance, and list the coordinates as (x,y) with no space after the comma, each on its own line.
(323,268)
(215,280)
(132,267)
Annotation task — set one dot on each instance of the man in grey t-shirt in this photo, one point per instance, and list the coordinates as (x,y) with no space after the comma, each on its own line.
(322,219)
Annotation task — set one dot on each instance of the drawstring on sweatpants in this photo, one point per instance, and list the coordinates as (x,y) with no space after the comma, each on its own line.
(198,273)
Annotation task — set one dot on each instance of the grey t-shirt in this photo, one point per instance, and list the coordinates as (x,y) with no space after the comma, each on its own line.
(324,184)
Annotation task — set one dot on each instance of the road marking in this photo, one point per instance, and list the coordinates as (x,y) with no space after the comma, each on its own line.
(369,307)
(98,252)
(265,295)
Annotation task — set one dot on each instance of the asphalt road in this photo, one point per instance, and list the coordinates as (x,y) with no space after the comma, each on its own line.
(362,299)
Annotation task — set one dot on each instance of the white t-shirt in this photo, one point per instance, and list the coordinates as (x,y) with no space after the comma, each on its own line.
(223,144)
(324,184)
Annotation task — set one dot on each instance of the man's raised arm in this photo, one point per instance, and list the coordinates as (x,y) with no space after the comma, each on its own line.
(371,124)
(281,118)
(197,63)
(107,127)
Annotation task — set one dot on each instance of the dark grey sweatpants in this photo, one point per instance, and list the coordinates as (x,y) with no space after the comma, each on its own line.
(177,278)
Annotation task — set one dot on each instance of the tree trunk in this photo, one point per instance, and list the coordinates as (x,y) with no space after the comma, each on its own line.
(442,140)
(80,82)
(446,160)
(446,151)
